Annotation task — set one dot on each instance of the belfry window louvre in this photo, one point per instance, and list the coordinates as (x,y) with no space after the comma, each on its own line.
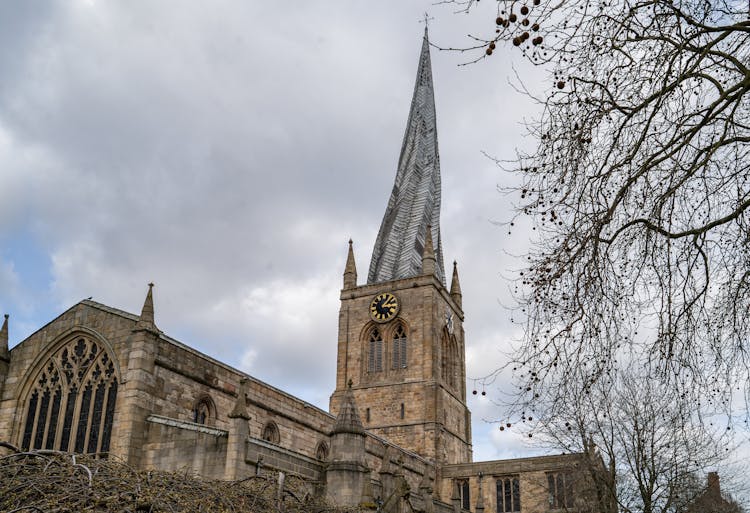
(71,405)
(399,348)
(375,351)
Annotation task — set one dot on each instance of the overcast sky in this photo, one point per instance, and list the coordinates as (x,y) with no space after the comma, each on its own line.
(227,151)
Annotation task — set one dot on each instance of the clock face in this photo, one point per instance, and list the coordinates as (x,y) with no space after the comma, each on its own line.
(384,307)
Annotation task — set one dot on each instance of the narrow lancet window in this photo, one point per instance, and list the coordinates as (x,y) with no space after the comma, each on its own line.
(449,365)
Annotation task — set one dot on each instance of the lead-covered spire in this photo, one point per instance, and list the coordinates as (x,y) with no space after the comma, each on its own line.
(414,204)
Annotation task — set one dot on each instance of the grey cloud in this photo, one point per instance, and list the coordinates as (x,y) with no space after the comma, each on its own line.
(228,150)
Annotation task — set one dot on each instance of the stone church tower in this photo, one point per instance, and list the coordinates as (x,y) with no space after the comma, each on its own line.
(401,337)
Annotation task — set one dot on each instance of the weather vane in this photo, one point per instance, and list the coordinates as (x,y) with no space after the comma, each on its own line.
(426,19)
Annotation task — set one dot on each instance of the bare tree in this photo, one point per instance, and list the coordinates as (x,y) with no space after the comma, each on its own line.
(638,192)
(644,448)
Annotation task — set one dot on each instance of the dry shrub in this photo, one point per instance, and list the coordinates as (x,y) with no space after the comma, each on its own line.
(52,481)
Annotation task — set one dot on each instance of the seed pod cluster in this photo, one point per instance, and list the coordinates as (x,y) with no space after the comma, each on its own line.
(503,22)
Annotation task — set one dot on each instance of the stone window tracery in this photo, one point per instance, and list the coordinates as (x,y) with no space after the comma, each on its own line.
(321,452)
(375,351)
(508,494)
(203,411)
(464,493)
(560,489)
(450,360)
(71,405)
(271,433)
(399,347)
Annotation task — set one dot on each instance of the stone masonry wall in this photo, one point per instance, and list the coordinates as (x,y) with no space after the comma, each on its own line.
(531,472)
(184,376)
(185,447)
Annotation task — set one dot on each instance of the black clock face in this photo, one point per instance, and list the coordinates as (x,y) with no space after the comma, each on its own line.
(384,307)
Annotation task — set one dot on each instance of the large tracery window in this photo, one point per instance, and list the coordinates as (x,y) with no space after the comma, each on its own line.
(399,348)
(71,405)
(375,353)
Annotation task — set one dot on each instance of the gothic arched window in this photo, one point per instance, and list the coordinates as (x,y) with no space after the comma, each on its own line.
(71,404)
(450,361)
(445,361)
(203,411)
(271,433)
(399,347)
(321,452)
(375,352)
(465,494)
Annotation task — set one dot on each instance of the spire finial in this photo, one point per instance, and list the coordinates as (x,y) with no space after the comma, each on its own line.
(350,270)
(146,320)
(428,253)
(415,198)
(4,338)
(456,286)
(426,20)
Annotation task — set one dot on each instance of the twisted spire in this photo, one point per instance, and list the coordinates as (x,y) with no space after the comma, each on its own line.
(414,204)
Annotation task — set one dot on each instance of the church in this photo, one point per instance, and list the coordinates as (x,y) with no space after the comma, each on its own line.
(397,435)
